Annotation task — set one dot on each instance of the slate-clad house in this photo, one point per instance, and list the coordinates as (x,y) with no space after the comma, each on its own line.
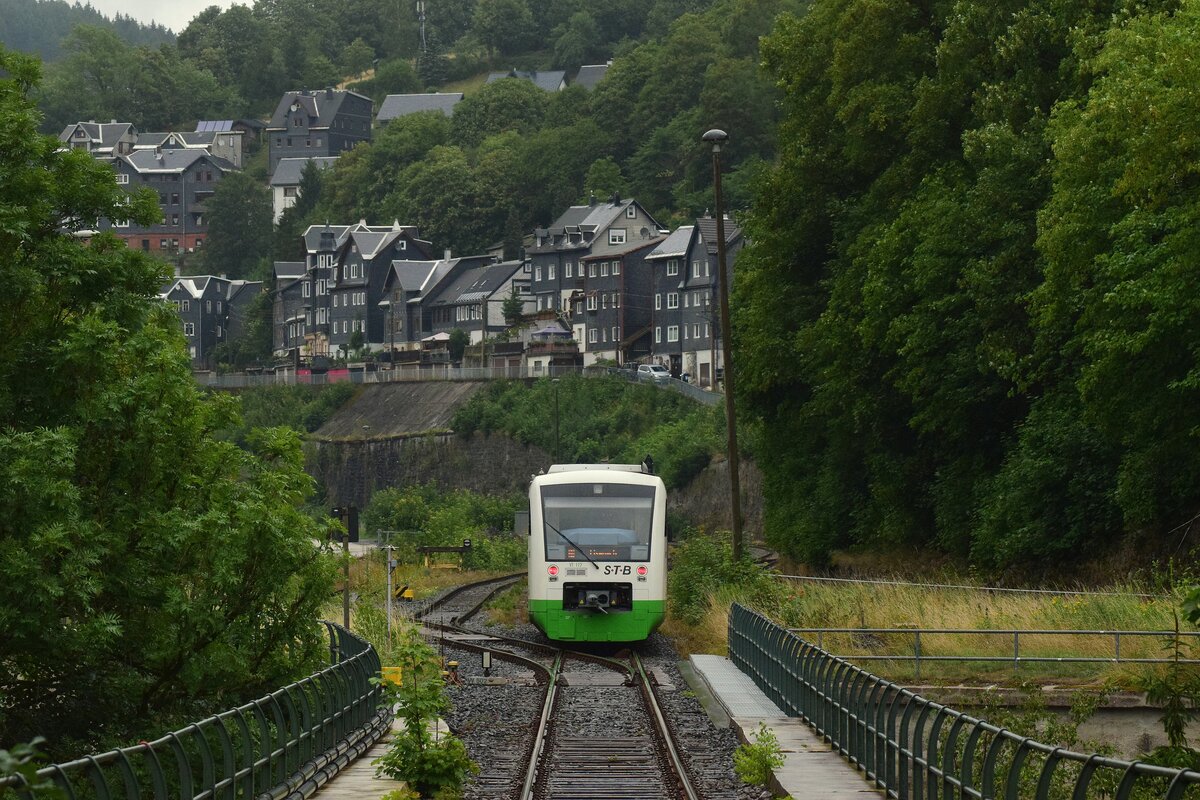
(686,303)
(399,105)
(472,299)
(332,300)
(614,312)
(285,181)
(595,229)
(184,181)
(101,139)
(226,145)
(317,123)
(212,310)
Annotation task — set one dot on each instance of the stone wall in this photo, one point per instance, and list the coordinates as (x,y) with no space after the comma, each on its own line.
(350,471)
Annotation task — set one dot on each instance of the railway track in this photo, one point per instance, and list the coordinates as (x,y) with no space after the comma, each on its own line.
(593,729)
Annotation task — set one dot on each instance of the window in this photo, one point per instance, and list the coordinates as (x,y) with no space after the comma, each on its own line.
(591,302)
(592,338)
(631,212)
(219,333)
(122,178)
(672,299)
(672,333)
(616,300)
(685,331)
(162,244)
(306,290)
(551,273)
(199,243)
(604,300)
(616,268)
(568,269)
(290,191)
(208,306)
(187,305)
(345,326)
(673,267)
(322,316)
(616,236)
(658,302)
(174,219)
(189,329)
(686,297)
(603,269)
(695,269)
(537,273)
(174,198)
(658,335)
(592,270)
(614,333)
(695,330)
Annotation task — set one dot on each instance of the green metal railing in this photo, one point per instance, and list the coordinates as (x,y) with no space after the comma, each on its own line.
(284,745)
(912,747)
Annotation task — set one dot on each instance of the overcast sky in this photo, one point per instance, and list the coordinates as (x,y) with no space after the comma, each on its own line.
(175,14)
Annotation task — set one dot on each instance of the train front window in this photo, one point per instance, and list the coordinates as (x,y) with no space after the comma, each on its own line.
(597,521)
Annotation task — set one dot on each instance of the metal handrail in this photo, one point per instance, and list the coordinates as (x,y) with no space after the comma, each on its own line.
(912,747)
(920,640)
(283,745)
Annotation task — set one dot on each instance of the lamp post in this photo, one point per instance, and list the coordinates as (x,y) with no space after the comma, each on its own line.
(717,138)
(555,382)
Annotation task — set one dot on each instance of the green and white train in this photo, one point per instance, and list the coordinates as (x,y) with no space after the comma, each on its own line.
(597,552)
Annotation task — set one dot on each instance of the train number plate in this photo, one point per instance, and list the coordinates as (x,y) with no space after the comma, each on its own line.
(617,569)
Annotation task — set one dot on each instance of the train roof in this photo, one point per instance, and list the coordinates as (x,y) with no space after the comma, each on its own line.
(592,467)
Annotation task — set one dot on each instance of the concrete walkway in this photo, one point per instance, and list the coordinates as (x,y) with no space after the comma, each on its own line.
(811,770)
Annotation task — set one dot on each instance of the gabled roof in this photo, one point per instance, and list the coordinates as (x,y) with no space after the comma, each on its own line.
(369,246)
(103,135)
(587,221)
(321,106)
(676,245)
(591,74)
(146,161)
(412,275)
(290,170)
(397,105)
(550,81)
(708,230)
(197,286)
(226,125)
(478,282)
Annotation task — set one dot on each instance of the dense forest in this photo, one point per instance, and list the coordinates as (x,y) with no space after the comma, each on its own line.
(41,26)
(968,318)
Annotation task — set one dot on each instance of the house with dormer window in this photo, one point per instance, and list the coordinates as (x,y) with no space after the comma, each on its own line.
(212,310)
(686,302)
(598,228)
(100,139)
(332,300)
(317,123)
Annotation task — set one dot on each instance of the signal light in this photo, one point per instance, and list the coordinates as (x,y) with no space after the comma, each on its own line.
(552,569)
(641,570)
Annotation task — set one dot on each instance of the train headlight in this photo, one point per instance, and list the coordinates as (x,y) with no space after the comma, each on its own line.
(641,570)
(552,570)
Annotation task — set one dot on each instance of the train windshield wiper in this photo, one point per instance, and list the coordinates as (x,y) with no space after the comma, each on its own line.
(579,549)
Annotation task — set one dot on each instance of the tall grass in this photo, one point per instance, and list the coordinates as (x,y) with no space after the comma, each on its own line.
(802,604)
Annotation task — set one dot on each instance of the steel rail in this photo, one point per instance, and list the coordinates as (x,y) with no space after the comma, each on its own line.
(664,729)
(542,735)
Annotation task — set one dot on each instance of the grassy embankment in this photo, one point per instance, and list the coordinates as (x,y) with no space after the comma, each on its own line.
(832,605)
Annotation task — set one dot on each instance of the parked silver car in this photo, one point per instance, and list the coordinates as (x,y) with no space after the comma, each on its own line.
(653,372)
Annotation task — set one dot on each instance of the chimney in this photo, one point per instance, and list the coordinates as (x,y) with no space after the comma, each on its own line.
(446,254)
(328,92)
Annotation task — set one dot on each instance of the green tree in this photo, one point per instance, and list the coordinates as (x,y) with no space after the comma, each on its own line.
(357,57)
(603,178)
(503,26)
(459,339)
(577,41)
(513,308)
(148,569)
(503,105)
(239,241)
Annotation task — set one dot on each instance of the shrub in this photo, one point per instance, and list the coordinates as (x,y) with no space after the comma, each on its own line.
(703,564)
(755,762)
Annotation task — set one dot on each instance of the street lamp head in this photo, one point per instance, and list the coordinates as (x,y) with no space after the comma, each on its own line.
(717,137)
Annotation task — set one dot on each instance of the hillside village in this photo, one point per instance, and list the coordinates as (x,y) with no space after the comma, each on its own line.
(604,283)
